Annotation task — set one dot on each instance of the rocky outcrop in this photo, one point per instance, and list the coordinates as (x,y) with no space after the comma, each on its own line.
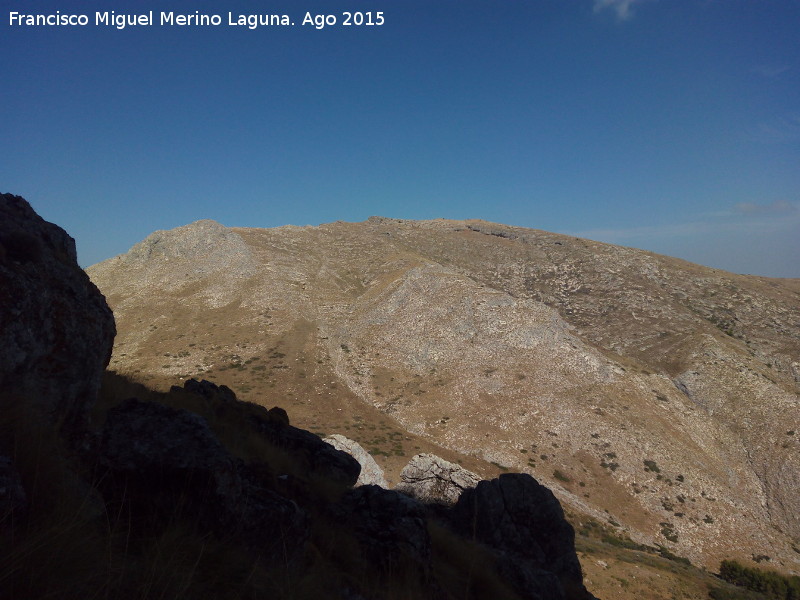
(273,425)
(430,478)
(523,522)
(164,462)
(317,456)
(371,473)
(390,527)
(56,331)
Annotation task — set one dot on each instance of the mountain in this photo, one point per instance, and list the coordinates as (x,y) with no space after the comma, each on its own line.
(657,396)
(109,489)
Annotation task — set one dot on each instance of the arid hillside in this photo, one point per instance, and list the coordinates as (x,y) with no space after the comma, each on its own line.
(657,396)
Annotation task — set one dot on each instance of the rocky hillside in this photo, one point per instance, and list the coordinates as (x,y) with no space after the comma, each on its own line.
(119,491)
(657,396)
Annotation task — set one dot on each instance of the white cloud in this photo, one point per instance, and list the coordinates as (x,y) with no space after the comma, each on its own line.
(623,8)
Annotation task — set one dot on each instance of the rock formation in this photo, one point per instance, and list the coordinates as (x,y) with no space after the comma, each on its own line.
(429,478)
(163,461)
(390,527)
(56,331)
(371,473)
(524,523)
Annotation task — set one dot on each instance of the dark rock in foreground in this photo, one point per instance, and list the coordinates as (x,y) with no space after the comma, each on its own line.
(165,463)
(524,523)
(389,526)
(56,331)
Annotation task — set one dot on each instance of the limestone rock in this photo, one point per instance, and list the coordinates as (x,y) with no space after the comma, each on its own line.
(524,523)
(56,330)
(371,473)
(430,478)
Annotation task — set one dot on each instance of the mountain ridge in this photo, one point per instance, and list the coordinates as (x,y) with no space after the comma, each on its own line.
(648,383)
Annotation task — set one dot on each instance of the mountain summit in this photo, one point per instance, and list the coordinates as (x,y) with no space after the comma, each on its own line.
(656,395)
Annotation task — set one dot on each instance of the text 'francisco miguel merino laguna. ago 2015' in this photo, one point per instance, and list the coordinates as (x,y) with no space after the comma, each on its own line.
(196,19)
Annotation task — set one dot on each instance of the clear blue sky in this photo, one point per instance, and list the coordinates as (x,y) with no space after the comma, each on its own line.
(670,125)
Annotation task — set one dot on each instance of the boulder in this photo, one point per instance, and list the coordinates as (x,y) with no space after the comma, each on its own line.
(166,463)
(162,449)
(430,478)
(390,528)
(371,473)
(56,330)
(523,522)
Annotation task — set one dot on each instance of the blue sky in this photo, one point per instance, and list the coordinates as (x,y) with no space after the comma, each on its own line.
(669,125)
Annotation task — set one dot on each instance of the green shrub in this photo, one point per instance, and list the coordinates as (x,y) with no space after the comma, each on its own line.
(561,476)
(769,583)
(650,465)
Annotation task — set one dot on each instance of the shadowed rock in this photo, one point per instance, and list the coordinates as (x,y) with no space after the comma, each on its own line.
(389,526)
(56,331)
(524,523)
(317,457)
(13,500)
(165,462)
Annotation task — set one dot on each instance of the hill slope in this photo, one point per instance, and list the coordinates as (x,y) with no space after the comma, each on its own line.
(656,395)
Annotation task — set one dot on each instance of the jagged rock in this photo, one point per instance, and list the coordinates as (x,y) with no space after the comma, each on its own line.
(165,461)
(56,331)
(390,527)
(273,424)
(13,500)
(524,523)
(319,457)
(371,473)
(163,447)
(267,521)
(430,478)
(208,390)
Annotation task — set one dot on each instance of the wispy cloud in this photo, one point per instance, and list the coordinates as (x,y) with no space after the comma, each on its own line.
(770,71)
(781,129)
(746,237)
(623,8)
(750,217)
(779,207)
